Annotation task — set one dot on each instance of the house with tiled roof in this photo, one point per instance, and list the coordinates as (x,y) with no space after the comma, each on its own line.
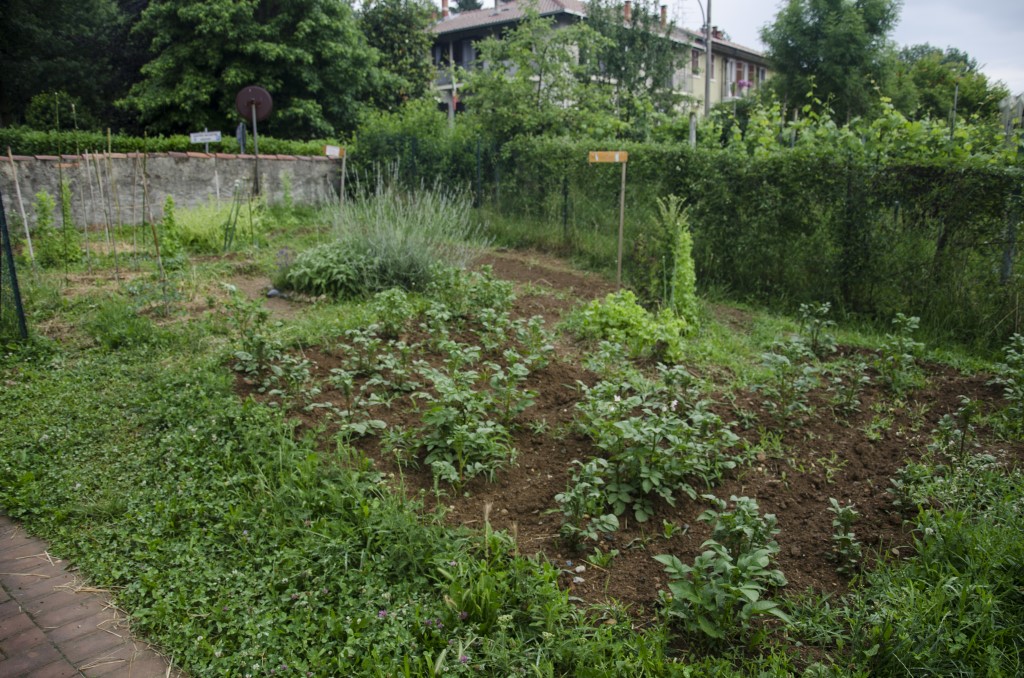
(736,70)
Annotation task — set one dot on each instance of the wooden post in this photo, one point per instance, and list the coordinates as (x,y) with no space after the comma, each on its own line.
(256,152)
(344,157)
(21,208)
(621,157)
(622,222)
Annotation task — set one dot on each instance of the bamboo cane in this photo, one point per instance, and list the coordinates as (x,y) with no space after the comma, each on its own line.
(21,208)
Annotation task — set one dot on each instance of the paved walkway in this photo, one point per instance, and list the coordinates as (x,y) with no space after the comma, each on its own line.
(52,626)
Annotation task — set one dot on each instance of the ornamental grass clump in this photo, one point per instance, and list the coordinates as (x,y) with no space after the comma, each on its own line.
(388,238)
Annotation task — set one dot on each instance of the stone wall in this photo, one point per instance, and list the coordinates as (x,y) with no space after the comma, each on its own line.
(144,180)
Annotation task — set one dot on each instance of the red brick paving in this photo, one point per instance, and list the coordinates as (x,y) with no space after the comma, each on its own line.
(50,629)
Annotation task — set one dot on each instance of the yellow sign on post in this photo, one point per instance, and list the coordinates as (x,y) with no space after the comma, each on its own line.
(623,158)
(609,156)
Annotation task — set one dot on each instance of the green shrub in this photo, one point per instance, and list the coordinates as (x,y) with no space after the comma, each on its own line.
(170,240)
(334,269)
(619,318)
(663,268)
(53,246)
(1010,375)
(682,294)
(897,364)
(27,141)
(388,238)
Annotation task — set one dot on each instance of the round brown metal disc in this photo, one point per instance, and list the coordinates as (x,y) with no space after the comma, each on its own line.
(253,95)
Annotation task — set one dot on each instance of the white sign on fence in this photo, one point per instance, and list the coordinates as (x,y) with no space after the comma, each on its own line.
(204,137)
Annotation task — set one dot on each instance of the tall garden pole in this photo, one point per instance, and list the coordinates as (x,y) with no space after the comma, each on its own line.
(622,223)
(621,157)
(707,64)
(21,208)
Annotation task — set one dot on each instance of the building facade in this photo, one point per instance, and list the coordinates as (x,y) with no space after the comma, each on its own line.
(736,70)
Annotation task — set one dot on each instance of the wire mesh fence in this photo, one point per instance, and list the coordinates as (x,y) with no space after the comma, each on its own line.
(12,312)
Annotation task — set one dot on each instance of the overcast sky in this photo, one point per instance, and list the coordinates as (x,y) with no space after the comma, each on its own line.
(991,31)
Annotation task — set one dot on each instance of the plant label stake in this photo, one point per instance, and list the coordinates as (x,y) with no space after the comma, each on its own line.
(204,137)
(621,157)
(254,103)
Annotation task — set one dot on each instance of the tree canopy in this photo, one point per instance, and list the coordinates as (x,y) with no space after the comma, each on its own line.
(397,29)
(601,77)
(930,79)
(837,48)
(637,60)
(310,54)
(49,46)
(467,5)
(539,86)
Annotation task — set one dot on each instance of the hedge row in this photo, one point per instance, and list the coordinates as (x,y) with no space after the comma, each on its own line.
(939,240)
(25,141)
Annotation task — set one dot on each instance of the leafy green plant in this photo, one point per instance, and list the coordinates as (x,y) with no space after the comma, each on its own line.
(509,395)
(719,595)
(742,528)
(815,324)
(846,550)
(619,318)
(333,269)
(465,294)
(655,445)
(582,504)
(392,309)
(53,246)
(788,386)
(459,436)
(684,277)
(846,387)
(897,363)
(723,590)
(669,529)
(1010,375)
(169,233)
(667,256)
(537,343)
(247,320)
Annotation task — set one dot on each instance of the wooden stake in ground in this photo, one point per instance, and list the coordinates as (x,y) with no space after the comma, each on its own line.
(135,222)
(617,157)
(60,196)
(85,210)
(147,207)
(112,183)
(21,209)
(111,245)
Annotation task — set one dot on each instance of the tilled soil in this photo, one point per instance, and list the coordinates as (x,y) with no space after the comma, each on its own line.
(850,457)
